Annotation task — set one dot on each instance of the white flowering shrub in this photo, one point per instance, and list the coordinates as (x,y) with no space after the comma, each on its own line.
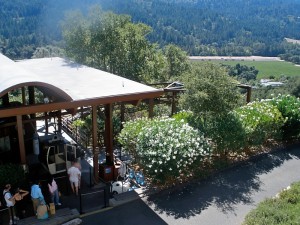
(289,106)
(166,148)
(261,121)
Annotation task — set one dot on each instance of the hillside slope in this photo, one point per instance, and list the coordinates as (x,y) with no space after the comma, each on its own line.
(201,27)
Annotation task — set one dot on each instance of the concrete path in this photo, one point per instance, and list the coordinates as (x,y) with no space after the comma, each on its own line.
(222,199)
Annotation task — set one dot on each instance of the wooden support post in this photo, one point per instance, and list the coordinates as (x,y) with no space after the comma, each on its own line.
(23,96)
(59,123)
(173,103)
(46,123)
(151,106)
(5,100)
(109,135)
(122,114)
(249,89)
(21,139)
(32,102)
(95,141)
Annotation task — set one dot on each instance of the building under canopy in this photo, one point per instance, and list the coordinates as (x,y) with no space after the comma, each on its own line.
(66,87)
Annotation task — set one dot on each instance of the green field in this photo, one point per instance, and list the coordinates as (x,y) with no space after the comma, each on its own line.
(270,68)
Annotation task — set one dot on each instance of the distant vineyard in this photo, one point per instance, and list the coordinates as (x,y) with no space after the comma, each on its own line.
(265,68)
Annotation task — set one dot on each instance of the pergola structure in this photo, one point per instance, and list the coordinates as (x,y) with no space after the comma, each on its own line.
(66,86)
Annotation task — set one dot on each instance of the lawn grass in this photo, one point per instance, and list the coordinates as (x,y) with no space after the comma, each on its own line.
(266,68)
(281,210)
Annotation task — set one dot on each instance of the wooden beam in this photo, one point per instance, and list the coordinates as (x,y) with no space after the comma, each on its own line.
(25,110)
(95,141)
(109,135)
(21,139)
(249,90)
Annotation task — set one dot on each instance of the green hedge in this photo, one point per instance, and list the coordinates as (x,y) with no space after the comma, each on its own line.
(281,210)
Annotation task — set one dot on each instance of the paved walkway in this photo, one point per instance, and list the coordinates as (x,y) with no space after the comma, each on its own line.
(222,199)
(61,216)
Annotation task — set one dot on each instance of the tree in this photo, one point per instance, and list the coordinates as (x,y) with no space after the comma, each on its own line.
(177,62)
(48,51)
(76,36)
(242,72)
(209,90)
(110,42)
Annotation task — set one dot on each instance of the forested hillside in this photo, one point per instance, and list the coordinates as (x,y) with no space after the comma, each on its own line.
(200,27)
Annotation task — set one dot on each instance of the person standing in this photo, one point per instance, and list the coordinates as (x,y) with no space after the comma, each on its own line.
(74,178)
(10,203)
(36,195)
(20,203)
(53,189)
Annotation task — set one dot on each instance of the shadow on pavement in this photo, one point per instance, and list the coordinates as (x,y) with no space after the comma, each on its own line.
(224,189)
(125,214)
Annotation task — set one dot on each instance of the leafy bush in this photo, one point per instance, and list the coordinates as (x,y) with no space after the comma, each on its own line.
(283,209)
(166,148)
(11,174)
(261,121)
(227,133)
(188,117)
(209,90)
(289,106)
(128,135)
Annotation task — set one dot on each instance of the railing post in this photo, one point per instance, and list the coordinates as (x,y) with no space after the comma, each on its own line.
(106,194)
(90,168)
(80,204)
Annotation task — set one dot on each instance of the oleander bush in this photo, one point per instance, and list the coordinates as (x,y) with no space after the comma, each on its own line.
(289,106)
(261,121)
(167,149)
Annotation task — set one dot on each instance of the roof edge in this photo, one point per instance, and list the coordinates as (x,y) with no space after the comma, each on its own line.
(53,88)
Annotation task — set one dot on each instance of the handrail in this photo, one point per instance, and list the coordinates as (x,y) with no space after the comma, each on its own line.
(79,137)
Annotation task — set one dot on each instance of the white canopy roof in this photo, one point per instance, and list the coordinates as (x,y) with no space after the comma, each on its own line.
(69,85)
(76,81)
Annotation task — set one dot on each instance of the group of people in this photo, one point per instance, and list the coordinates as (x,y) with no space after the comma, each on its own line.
(36,194)
(37,197)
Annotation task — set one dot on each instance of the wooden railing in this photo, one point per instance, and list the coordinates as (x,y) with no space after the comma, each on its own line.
(78,136)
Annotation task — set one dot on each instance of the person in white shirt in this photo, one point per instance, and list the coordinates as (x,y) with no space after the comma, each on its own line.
(74,177)
(10,203)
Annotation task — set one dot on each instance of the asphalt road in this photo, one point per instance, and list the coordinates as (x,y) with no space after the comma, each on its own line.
(222,199)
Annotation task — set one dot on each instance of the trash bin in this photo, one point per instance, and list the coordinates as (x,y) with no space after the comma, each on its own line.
(106,172)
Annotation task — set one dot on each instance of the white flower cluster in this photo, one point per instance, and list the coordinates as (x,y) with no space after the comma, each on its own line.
(261,120)
(169,147)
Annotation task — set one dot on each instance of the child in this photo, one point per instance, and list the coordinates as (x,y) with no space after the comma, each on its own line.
(53,189)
